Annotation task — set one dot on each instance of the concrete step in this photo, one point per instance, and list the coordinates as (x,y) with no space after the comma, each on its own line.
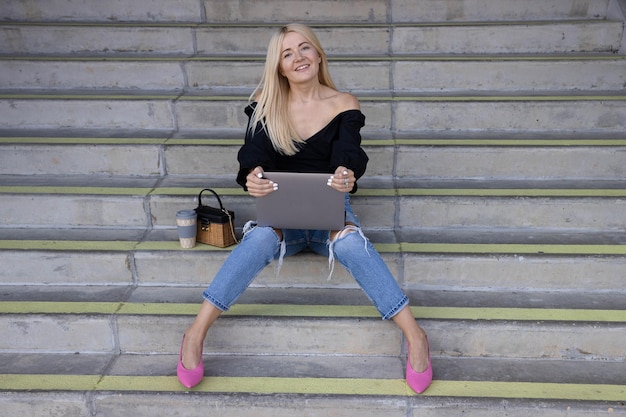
(304,360)
(309,285)
(310,367)
(155,328)
(412,162)
(253,11)
(498,162)
(121,39)
(417,116)
(504,301)
(405,210)
(113,265)
(511,38)
(151,396)
(437,75)
(516,115)
(477,10)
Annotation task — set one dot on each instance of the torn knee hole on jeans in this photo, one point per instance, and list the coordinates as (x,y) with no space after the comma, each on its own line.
(348,229)
(283,250)
(251,224)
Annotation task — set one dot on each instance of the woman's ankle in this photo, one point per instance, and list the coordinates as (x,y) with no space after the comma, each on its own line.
(418,352)
(192,349)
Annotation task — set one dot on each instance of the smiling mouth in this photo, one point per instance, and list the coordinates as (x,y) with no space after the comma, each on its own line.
(302,67)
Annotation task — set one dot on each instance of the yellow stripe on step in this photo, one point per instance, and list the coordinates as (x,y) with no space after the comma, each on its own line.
(364,192)
(23,140)
(318,386)
(313,311)
(403,247)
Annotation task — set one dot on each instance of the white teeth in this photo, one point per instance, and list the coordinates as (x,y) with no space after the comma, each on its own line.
(301,67)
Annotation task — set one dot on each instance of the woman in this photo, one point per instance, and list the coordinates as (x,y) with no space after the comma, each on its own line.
(300,122)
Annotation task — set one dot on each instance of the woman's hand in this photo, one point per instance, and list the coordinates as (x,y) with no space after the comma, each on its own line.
(342,180)
(257,185)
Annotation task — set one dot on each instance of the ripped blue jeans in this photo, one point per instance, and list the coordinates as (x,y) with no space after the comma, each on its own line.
(261,245)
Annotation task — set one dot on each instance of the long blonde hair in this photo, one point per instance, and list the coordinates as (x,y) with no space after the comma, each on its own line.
(271,95)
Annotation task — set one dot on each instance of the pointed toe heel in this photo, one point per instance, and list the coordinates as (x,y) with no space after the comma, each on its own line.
(189,377)
(419,381)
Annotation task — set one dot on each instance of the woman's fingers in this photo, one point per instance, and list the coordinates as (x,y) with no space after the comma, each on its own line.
(258,185)
(342,180)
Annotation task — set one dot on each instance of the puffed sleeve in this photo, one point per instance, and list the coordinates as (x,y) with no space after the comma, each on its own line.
(346,149)
(257,150)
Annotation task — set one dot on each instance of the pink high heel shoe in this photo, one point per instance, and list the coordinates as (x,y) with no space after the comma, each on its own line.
(419,381)
(189,377)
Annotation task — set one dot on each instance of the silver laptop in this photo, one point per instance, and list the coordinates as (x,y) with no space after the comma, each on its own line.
(302,201)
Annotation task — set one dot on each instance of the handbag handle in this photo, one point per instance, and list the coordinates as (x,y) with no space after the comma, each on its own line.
(219,200)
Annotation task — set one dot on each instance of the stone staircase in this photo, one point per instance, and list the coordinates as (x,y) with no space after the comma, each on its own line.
(496,194)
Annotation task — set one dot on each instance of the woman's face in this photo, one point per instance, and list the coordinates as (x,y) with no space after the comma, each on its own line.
(299,60)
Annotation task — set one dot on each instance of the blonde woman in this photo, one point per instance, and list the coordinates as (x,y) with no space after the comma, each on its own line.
(299,122)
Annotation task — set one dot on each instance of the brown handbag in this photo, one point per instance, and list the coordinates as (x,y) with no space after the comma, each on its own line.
(216,226)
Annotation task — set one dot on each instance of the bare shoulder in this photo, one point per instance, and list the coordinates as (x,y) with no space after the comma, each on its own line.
(339,101)
(346,101)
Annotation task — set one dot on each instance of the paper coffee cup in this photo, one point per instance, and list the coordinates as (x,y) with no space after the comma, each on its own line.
(186,221)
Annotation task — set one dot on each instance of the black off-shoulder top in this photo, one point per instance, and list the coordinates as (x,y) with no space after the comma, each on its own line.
(336,144)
